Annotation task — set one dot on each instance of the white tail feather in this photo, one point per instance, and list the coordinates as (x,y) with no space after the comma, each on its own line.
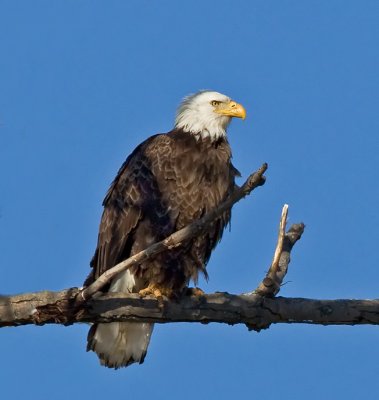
(119,344)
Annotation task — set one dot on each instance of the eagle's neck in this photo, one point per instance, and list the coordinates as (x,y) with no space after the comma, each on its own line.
(202,127)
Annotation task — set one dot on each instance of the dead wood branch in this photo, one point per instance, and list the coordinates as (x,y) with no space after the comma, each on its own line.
(252,310)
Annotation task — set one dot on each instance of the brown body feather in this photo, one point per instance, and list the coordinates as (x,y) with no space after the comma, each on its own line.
(168,181)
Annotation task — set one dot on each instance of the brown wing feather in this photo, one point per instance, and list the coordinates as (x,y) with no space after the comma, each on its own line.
(123,210)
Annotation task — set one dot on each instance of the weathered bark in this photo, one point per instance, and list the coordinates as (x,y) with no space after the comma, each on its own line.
(252,310)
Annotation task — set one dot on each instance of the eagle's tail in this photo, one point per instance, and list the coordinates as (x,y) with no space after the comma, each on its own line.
(119,344)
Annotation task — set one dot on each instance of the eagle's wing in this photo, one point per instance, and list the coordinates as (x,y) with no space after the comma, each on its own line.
(133,195)
(123,209)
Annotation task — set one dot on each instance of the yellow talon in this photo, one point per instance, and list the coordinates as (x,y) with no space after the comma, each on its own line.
(156,291)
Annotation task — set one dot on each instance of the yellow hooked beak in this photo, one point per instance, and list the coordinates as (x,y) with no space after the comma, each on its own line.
(231,109)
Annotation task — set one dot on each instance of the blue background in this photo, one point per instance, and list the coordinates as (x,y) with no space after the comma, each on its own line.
(83,82)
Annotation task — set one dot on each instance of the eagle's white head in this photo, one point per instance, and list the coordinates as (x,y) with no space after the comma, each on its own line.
(207,114)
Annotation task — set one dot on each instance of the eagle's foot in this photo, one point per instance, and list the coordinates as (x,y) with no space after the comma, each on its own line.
(156,291)
(194,291)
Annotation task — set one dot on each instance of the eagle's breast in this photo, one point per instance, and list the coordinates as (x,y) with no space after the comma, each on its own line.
(191,177)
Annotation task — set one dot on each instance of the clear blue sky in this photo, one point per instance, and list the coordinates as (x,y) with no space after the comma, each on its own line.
(83,82)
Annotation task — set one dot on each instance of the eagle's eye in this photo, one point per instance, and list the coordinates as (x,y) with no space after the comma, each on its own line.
(215,103)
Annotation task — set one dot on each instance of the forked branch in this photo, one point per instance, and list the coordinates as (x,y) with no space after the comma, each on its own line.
(270,285)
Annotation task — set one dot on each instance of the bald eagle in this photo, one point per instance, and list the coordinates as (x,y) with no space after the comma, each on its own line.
(166,183)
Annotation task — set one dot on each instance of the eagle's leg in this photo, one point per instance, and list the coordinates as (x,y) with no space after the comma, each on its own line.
(156,291)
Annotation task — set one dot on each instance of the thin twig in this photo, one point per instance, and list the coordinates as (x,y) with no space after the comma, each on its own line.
(176,239)
(281,234)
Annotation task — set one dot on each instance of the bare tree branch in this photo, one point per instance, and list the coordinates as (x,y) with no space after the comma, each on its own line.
(254,311)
